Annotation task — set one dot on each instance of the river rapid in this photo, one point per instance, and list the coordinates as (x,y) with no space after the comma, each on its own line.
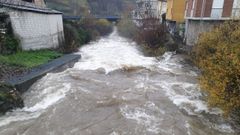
(115,90)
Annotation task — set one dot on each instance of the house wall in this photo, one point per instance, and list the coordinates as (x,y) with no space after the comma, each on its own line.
(212,9)
(36,30)
(217,9)
(194,28)
(176,10)
(144,6)
(236,9)
(162,8)
(169,14)
(203,15)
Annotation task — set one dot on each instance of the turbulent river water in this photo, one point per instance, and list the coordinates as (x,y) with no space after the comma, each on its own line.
(115,90)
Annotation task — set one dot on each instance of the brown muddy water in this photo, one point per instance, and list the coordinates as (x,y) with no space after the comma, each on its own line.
(115,90)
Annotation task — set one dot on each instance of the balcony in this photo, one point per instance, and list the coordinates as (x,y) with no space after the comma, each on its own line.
(216,14)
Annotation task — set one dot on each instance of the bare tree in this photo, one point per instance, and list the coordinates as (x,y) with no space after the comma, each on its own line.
(150,30)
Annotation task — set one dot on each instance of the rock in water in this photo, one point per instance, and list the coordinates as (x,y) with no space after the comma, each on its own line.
(9,98)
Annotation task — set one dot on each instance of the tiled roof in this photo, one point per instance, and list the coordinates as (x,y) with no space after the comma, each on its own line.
(27,6)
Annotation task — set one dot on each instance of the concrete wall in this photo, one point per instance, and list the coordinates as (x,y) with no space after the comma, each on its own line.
(153,6)
(36,30)
(195,28)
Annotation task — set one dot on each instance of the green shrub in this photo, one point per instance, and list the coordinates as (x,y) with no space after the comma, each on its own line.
(9,44)
(79,33)
(217,54)
(152,52)
(95,27)
(10,98)
(127,28)
(103,26)
(83,36)
(151,35)
(29,59)
(71,39)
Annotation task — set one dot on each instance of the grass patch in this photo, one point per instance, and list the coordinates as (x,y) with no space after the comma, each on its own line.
(29,59)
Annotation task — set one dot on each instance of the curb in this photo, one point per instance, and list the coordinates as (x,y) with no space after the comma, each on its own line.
(24,82)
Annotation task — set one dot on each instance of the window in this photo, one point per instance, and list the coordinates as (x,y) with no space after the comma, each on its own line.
(217,9)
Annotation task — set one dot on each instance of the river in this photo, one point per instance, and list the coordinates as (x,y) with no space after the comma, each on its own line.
(115,90)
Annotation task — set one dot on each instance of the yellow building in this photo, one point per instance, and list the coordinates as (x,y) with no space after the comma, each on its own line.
(176,10)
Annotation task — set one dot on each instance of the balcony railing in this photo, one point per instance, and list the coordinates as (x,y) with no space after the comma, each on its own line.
(216,14)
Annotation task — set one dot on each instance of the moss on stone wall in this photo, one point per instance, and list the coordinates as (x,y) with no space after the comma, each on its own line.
(9,98)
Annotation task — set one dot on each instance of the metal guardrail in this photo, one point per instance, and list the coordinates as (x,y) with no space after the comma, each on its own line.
(96,17)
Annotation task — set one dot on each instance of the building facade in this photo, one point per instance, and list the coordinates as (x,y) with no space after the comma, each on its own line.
(203,15)
(175,17)
(36,26)
(162,8)
(176,10)
(150,8)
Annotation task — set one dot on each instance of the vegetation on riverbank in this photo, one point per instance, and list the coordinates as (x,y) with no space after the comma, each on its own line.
(9,98)
(22,61)
(217,54)
(78,33)
(127,28)
(13,61)
(150,34)
(9,44)
(29,59)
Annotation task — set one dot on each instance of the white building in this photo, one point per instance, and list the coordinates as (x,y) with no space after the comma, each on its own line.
(150,8)
(36,26)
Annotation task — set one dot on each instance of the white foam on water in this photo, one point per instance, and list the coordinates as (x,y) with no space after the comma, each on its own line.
(49,99)
(189,99)
(226,128)
(188,126)
(166,64)
(114,133)
(140,115)
(16,116)
(145,116)
(115,52)
(112,53)
(32,112)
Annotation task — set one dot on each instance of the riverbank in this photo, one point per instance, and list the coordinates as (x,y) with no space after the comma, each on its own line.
(23,81)
(150,35)
(18,76)
(20,69)
(23,61)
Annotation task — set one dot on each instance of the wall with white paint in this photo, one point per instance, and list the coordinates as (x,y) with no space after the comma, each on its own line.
(36,30)
(236,9)
(155,8)
(217,9)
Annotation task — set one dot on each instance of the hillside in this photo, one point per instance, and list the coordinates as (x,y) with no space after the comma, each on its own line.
(69,7)
(95,7)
